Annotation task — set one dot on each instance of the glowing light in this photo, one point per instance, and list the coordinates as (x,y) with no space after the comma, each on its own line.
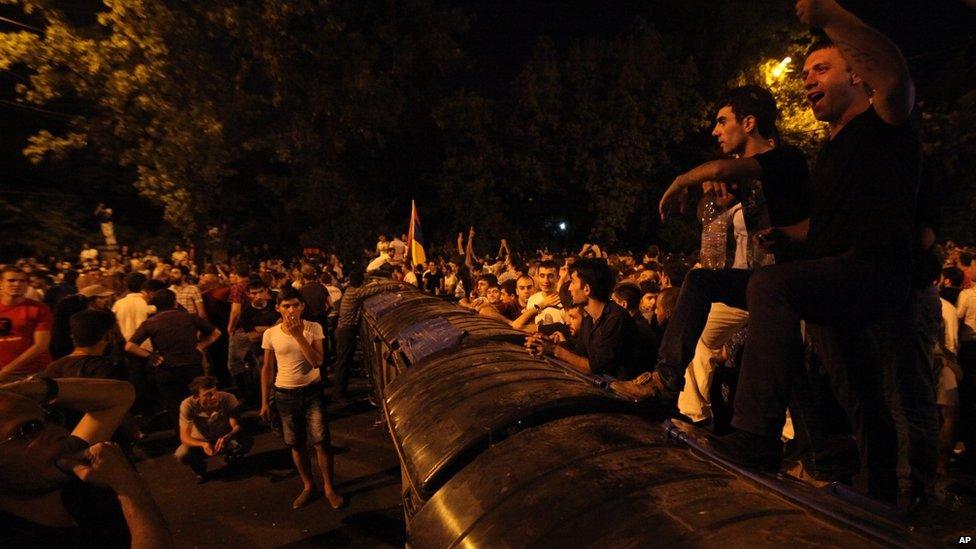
(562,225)
(781,68)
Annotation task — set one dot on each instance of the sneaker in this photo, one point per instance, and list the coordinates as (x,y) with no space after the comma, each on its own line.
(750,450)
(645,388)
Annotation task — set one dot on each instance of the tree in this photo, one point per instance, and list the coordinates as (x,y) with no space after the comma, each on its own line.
(293,104)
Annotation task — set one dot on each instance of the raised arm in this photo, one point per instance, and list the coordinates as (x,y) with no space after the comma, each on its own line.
(871,55)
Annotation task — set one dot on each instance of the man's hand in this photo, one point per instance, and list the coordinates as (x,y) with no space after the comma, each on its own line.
(550,300)
(539,344)
(105,465)
(209,449)
(675,192)
(219,444)
(771,240)
(292,325)
(265,413)
(817,13)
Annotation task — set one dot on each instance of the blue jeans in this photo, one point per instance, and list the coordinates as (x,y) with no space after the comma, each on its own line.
(303,415)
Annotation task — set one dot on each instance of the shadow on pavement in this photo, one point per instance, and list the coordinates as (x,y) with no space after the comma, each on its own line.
(379,528)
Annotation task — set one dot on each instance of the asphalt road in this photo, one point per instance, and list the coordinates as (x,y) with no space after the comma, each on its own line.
(250,504)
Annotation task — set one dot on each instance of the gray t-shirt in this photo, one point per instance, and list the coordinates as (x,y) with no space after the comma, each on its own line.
(210,425)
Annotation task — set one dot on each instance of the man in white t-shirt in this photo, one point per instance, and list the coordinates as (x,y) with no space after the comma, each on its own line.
(545,301)
(293,349)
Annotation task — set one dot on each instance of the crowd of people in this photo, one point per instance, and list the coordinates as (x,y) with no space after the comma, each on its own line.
(827,291)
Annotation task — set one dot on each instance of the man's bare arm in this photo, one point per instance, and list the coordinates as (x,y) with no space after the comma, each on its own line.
(104,401)
(872,56)
(42,340)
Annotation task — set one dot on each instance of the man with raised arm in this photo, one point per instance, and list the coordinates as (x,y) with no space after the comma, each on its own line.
(860,237)
(40,505)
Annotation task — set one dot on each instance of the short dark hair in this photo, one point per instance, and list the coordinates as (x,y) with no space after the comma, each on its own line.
(954,275)
(257,285)
(152,285)
(289,292)
(820,42)
(491,279)
(596,274)
(183,269)
(630,293)
(89,326)
(242,269)
(754,101)
(668,298)
(549,264)
(202,382)
(965,259)
(134,281)
(13,269)
(508,286)
(356,278)
(163,299)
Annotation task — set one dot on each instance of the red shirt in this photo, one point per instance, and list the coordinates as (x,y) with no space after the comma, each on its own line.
(17,326)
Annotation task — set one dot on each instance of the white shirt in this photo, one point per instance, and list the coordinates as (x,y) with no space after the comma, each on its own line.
(293,369)
(375,264)
(131,311)
(549,315)
(398,250)
(950,323)
(967,307)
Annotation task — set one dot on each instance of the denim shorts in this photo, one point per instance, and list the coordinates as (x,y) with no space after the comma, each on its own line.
(303,416)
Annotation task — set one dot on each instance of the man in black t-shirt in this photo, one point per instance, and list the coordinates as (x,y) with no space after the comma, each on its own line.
(745,127)
(859,242)
(179,340)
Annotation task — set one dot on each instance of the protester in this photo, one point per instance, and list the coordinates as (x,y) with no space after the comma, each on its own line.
(291,373)
(210,426)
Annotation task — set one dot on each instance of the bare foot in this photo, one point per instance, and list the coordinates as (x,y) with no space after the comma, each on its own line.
(302,499)
(335,499)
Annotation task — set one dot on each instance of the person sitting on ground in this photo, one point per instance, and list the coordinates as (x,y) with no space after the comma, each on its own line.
(41,502)
(209,426)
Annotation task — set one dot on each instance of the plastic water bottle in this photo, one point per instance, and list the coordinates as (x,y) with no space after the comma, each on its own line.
(754,207)
(714,234)
(755,213)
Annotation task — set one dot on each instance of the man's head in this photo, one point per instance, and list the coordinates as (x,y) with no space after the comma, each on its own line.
(524,288)
(258,294)
(99,297)
(574,319)
(952,277)
(240,273)
(134,281)
(833,90)
(163,300)
(29,448)
(91,327)
(291,303)
(508,290)
(628,296)
(178,274)
(494,292)
(13,282)
(484,282)
(590,279)
(204,389)
(547,276)
(666,301)
(745,113)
